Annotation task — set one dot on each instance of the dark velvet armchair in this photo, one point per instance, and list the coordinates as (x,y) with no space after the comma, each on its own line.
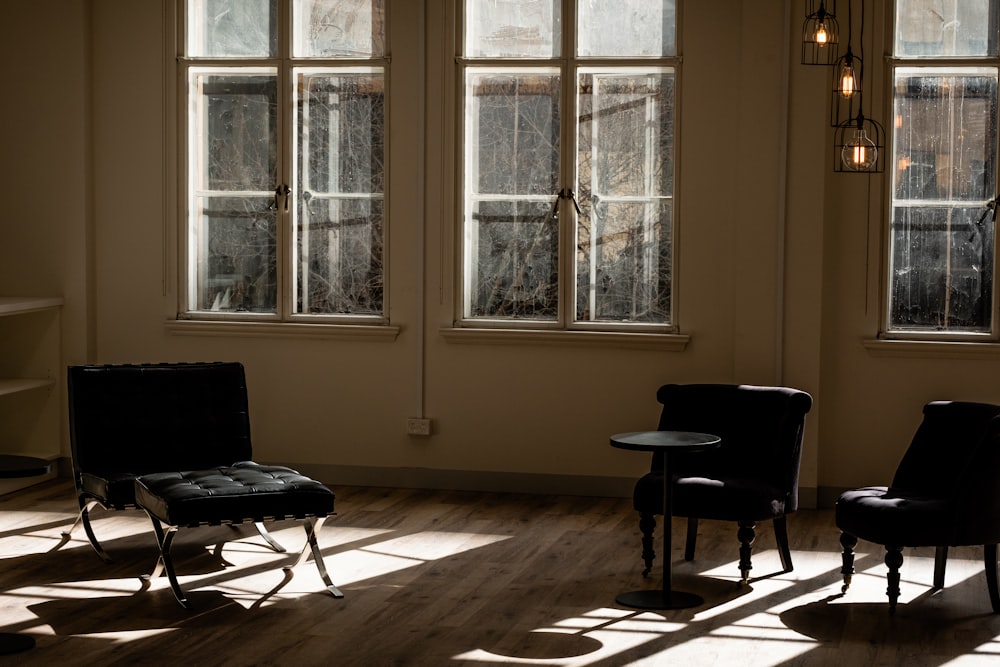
(752,476)
(945,493)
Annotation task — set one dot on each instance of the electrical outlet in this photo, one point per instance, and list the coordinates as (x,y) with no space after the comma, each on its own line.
(418,426)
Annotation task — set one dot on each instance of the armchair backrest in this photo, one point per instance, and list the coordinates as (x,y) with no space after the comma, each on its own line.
(956,442)
(761,430)
(155,417)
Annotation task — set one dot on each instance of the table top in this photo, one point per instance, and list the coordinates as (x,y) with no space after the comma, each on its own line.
(22,466)
(651,441)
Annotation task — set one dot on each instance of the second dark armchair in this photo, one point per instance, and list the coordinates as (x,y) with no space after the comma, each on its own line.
(753,476)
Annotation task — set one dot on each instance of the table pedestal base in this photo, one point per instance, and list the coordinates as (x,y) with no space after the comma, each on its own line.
(11,643)
(653,599)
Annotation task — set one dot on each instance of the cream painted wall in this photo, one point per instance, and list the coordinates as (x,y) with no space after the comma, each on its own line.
(777,267)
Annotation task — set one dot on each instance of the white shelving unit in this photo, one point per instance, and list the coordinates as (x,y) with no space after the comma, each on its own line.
(30,378)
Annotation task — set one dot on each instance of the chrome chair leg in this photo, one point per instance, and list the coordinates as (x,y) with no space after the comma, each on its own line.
(269,538)
(164,538)
(84,518)
(312,527)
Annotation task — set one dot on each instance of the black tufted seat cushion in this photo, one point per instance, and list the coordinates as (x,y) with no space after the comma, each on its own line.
(244,491)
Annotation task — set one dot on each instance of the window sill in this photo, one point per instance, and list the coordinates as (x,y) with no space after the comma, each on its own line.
(382,334)
(610,339)
(939,349)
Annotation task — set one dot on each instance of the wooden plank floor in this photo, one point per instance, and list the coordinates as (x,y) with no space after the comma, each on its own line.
(447,578)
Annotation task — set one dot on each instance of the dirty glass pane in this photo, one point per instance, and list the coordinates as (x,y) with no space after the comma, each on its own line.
(232,167)
(625,191)
(233,121)
(231,28)
(941,246)
(338,230)
(512,28)
(234,254)
(512,266)
(945,28)
(338,28)
(635,28)
(511,172)
(942,269)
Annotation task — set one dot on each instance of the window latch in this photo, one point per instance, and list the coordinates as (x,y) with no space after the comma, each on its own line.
(281,192)
(565,193)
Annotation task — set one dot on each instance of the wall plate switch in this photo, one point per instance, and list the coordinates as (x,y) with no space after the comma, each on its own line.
(418,426)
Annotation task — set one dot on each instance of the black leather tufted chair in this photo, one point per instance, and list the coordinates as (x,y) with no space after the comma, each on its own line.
(945,493)
(752,476)
(133,419)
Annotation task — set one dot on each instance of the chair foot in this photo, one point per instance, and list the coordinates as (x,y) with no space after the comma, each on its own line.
(746,535)
(647,524)
(847,542)
(894,560)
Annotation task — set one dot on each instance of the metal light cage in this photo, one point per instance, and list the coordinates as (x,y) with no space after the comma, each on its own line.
(815,52)
(844,109)
(844,146)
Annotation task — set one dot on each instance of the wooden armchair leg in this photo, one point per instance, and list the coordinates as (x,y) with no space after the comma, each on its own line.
(894,560)
(647,524)
(990,557)
(746,535)
(781,538)
(847,543)
(692,538)
(940,563)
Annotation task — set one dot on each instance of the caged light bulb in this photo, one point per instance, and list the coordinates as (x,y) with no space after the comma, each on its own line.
(848,82)
(820,34)
(860,153)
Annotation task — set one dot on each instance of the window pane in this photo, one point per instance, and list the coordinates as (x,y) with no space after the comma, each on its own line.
(946,28)
(512,131)
(232,167)
(511,172)
(626,148)
(627,28)
(340,125)
(512,28)
(512,250)
(945,133)
(233,122)
(338,28)
(944,138)
(942,276)
(233,248)
(232,28)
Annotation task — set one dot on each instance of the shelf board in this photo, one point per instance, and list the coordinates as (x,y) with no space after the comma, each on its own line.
(15,305)
(16,385)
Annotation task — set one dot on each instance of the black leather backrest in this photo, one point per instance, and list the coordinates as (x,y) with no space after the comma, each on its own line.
(955,444)
(158,417)
(761,428)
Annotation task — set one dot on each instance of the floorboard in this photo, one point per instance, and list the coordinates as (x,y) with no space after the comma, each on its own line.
(470,579)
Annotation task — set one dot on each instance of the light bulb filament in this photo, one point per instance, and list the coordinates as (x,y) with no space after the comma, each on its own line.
(821,36)
(848,83)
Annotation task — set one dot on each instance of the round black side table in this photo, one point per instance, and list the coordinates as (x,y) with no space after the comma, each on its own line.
(12,466)
(666,442)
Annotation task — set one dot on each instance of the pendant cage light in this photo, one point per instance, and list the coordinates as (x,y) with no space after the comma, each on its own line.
(820,33)
(859,146)
(859,142)
(848,72)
